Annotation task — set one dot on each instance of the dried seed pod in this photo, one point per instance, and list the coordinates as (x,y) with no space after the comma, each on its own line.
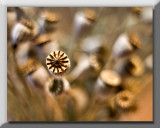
(125,45)
(22,53)
(125,100)
(136,10)
(30,66)
(58,86)
(83,22)
(50,17)
(19,33)
(42,39)
(45,45)
(26,23)
(110,78)
(58,63)
(36,75)
(82,65)
(133,39)
(47,21)
(135,66)
(94,62)
(90,15)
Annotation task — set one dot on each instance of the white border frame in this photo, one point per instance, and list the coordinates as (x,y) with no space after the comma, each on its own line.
(59,3)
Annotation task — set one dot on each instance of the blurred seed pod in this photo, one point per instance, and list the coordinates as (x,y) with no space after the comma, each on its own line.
(83,22)
(136,10)
(110,78)
(147,14)
(44,45)
(125,101)
(95,62)
(35,74)
(47,20)
(30,66)
(22,31)
(58,63)
(108,83)
(22,52)
(149,61)
(125,45)
(135,66)
(82,65)
(58,86)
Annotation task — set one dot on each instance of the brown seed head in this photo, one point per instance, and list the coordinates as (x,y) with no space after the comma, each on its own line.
(133,39)
(125,100)
(26,23)
(135,66)
(50,17)
(110,78)
(136,10)
(42,39)
(58,62)
(30,66)
(90,15)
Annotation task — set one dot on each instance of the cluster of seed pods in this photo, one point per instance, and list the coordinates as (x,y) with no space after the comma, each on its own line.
(81,59)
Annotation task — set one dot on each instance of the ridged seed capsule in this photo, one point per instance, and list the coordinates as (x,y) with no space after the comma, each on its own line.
(125,100)
(58,62)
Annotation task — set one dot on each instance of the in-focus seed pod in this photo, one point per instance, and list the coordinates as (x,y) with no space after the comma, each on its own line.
(125,45)
(110,78)
(125,100)
(135,66)
(58,63)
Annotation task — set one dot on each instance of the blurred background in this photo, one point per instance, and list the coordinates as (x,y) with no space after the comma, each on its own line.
(110,77)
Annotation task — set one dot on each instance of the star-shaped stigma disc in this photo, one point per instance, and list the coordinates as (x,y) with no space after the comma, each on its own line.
(58,62)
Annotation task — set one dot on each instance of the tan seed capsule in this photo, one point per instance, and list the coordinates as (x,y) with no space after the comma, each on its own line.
(26,23)
(125,100)
(30,66)
(42,39)
(133,39)
(135,66)
(110,78)
(90,15)
(136,10)
(58,62)
(94,62)
(50,17)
